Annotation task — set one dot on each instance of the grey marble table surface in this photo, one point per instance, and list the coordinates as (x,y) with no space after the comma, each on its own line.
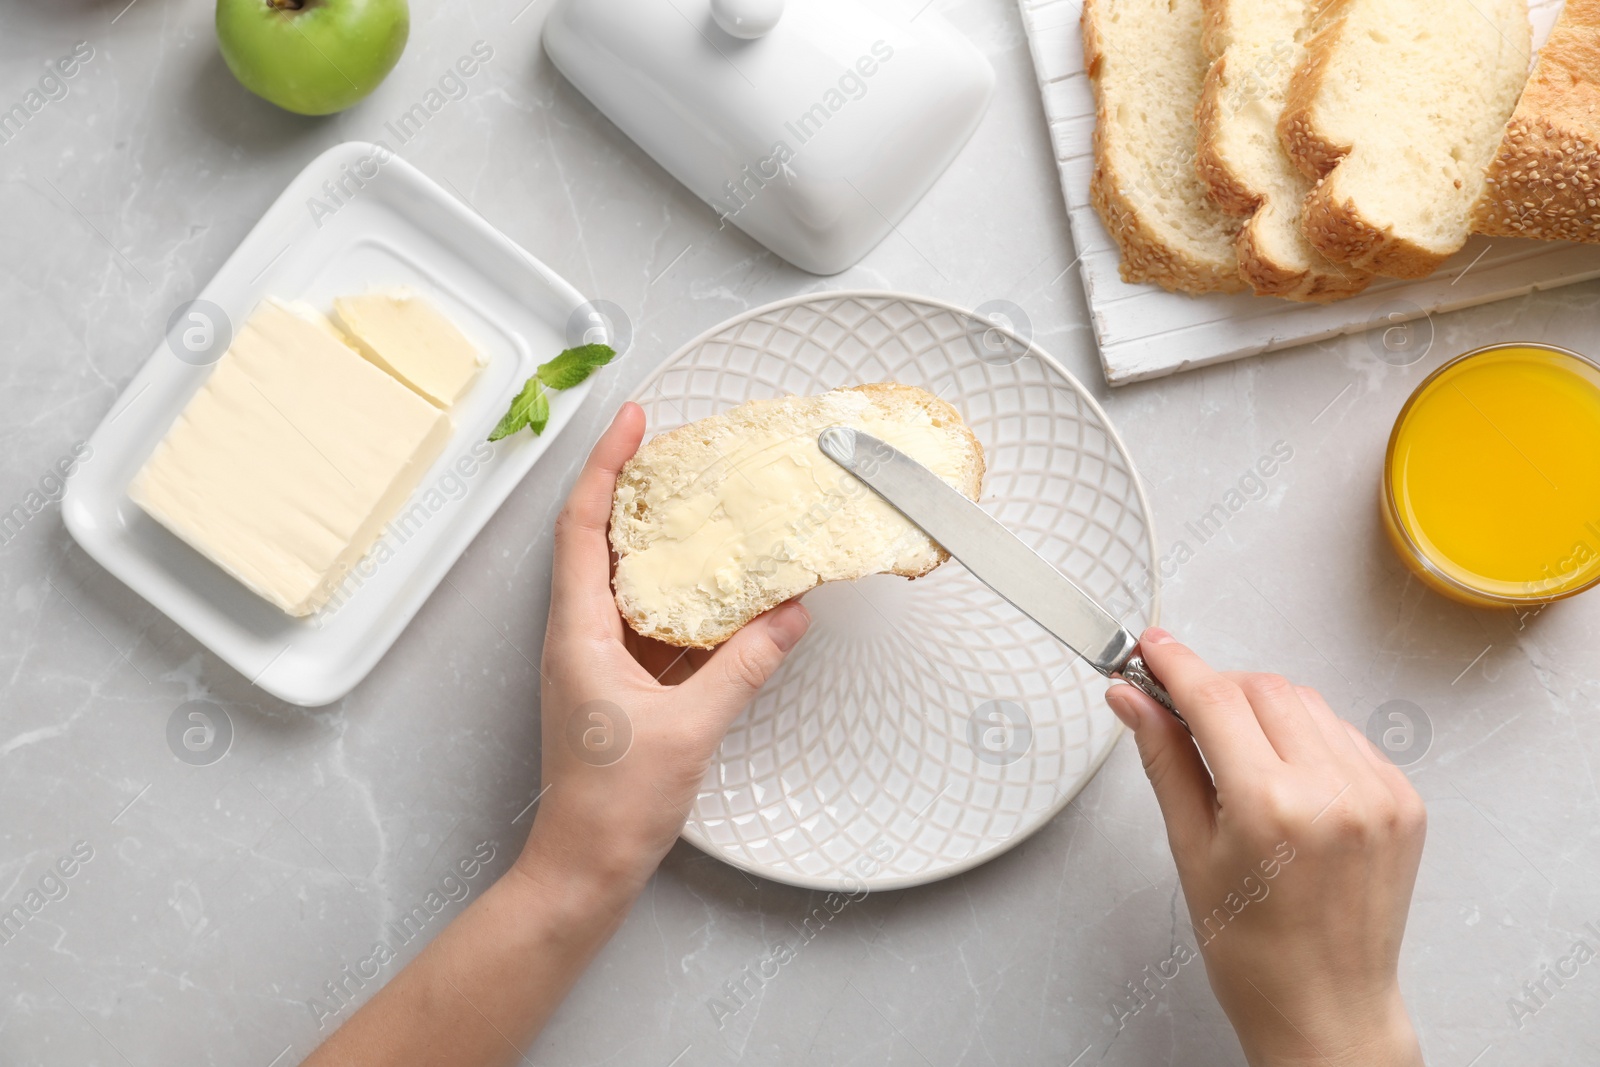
(208,907)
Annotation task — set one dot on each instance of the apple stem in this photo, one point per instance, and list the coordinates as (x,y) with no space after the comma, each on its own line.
(286,5)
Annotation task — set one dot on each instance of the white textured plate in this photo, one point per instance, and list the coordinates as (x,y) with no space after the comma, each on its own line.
(857,765)
(399,228)
(1146,332)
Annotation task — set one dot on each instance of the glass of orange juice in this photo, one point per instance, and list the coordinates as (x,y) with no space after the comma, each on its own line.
(1491,485)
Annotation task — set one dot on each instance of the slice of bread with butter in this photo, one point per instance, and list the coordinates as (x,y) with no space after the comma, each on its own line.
(717,521)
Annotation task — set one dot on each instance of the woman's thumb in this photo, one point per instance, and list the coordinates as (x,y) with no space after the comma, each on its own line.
(1171,761)
(730,678)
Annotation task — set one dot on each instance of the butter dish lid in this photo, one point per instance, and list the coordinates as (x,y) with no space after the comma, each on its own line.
(812,125)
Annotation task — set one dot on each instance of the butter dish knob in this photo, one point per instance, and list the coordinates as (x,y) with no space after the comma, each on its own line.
(747,19)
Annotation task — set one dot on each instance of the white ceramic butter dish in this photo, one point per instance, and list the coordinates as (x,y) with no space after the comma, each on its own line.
(812,125)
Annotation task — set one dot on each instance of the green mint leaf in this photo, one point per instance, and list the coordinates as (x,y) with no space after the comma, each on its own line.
(574,365)
(539,415)
(530,408)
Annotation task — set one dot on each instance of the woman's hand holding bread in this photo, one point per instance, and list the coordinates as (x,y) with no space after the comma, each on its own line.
(628,729)
(626,741)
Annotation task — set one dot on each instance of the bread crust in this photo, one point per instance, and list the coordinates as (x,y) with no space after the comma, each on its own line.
(1335,227)
(1265,274)
(1311,152)
(886,395)
(1270,277)
(1146,257)
(1544,180)
(1226,189)
(1333,221)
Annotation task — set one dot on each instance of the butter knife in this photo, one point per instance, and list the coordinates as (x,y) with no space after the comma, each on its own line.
(996,556)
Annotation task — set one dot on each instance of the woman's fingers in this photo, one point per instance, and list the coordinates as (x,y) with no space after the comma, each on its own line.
(580,585)
(730,679)
(1328,723)
(1216,709)
(1405,793)
(1182,785)
(1283,716)
(1370,756)
(1360,757)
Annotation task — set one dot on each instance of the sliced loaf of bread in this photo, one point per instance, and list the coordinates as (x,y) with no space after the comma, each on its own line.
(1254,47)
(717,521)
(1145,62)
(1397,109)
(1545,179)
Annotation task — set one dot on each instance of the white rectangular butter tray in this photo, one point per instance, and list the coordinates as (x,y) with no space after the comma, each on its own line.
(394,226)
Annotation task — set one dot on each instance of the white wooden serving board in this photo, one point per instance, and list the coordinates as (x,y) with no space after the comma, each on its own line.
(1146,332)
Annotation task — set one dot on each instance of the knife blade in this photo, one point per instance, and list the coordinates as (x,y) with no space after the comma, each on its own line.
(995,556)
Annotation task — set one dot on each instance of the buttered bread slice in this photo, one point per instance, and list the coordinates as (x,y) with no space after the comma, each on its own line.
(1396,111)
(720,520)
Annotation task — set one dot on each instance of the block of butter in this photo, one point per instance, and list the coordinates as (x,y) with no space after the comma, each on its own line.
(408,337)
(285,466)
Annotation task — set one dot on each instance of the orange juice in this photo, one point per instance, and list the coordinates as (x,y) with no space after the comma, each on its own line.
(1492,480)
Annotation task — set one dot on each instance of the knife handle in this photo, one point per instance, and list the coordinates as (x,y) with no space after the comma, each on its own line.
(1136,674)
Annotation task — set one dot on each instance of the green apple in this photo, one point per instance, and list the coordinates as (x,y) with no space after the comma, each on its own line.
(312,57)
